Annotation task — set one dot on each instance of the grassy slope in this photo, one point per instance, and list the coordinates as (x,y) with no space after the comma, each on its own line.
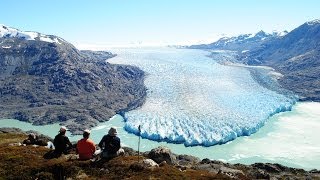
(27,162)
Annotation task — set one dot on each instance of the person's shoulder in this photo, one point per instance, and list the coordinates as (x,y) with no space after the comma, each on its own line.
(90,141)
(105,136)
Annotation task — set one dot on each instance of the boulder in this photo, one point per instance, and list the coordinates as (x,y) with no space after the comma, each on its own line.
(187,160)
(232,173)
(161,153)
(149,163)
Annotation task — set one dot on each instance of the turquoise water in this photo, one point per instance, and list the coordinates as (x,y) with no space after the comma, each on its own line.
(290,138)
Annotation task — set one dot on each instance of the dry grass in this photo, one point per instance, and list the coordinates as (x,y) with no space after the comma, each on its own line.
(27,162)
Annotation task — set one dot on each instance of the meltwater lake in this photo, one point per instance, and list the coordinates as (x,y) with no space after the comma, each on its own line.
(289,138)
(207,110)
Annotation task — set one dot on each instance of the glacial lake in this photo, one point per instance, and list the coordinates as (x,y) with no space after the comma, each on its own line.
(193,98)
(289,138)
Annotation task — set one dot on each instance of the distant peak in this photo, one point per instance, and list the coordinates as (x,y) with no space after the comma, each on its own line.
(313,22)
(261,33)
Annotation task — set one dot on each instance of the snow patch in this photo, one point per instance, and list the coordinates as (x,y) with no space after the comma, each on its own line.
(279,33)
(27,35)
(313,22)
(46,39)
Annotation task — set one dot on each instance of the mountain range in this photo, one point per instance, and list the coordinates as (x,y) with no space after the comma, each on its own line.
(243,42)
(295,54)
(44,79)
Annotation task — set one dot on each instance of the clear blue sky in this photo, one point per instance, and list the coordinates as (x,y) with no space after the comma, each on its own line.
(120,22)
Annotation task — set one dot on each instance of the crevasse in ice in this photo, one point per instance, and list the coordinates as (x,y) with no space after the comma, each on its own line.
(194,100)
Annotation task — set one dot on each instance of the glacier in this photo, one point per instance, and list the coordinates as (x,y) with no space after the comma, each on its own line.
(194,100)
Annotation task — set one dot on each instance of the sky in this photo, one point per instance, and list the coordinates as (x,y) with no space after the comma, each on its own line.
(100,23)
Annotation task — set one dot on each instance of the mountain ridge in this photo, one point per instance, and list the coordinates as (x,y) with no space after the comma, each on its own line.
(242,42)
(295,55)
(46,82)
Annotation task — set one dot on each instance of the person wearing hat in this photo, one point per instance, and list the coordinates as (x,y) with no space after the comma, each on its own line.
(61,142)
(85,146)
(110,144)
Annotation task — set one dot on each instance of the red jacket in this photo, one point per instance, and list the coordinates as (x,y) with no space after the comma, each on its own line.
(85,149)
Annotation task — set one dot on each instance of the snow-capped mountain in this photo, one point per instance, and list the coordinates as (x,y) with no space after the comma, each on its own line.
(295,54)
(44,79)
(8,32)
(313,22)
(243,42)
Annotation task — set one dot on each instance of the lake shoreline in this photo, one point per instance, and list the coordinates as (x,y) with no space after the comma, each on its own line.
(174,161)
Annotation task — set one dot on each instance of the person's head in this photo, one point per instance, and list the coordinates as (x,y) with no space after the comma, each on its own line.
(32,136)
(63,130)
(86,133)
(113,131)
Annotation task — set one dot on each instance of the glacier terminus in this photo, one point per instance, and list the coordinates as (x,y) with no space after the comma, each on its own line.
(194,99)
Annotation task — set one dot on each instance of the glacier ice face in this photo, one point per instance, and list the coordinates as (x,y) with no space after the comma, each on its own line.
(194,100)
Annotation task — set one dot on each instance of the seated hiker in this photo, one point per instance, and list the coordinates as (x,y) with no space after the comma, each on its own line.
(61,142)
(110,145)
(33,139)
(30,140)
(85,146)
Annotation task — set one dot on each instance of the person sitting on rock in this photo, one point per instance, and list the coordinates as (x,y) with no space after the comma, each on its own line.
(110,145)
(33,139)
(30,140)
(86,147)
(61,142)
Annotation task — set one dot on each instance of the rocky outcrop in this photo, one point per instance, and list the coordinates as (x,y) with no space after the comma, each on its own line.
(45,82)
(161,154)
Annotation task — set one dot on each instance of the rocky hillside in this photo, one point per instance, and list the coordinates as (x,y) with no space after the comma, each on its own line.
(29,162)
(295,55)
(44,79)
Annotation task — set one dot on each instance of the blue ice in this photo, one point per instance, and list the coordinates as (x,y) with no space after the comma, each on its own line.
(194,100)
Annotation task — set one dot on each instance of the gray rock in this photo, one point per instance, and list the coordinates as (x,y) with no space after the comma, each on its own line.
(232,173)
(149,163)
(162,154)
(187,160)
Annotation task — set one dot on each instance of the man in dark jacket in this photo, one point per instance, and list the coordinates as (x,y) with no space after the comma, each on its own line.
(61,142)
(110,144)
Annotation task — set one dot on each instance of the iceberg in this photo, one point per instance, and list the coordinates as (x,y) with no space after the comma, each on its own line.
(194,100)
